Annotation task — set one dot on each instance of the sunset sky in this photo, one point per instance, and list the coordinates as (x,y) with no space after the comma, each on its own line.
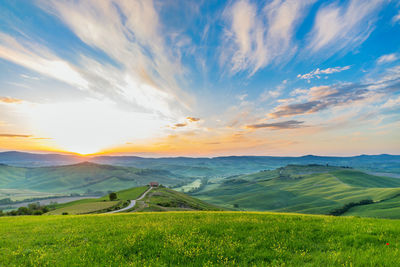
(200,78)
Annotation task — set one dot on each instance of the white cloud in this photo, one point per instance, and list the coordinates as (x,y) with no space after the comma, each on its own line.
(342,27)
(317,73)
(40,60)
(396,18)
(387,58)
(255,38)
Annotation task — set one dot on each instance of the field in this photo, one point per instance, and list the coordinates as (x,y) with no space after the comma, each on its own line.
(90,205)
(198,239)
(303,189)
(84,208)
(164,199)
(81,178)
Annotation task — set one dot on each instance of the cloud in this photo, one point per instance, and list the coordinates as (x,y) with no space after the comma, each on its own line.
(257,37)
(180,125)
(396,18)
(15,135)
(291,124)
(9,100)
(39,59)
(342,27)
(192,119)
(317,73)
(387,58)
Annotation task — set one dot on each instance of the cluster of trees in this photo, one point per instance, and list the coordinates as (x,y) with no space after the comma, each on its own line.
(340,211)
(31,209)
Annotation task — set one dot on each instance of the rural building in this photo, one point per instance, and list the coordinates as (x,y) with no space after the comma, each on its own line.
(153,184)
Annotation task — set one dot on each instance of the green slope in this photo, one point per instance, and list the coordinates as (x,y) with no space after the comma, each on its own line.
(198,239)
(82,177)
(164,199)
(304,189)
(386,209)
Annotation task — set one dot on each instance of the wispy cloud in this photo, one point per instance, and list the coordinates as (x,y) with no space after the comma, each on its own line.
(15,135)
(387,58)
(291,124)
(339,27)
(319,98)
(318,72)
(192,119)
(256,38)
(9,100)
(39,59)
(396,19)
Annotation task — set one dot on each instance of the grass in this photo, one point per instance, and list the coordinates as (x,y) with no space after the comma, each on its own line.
(84,208)
(303,189)
(198,239)
(386,209)
(90,205)
(164,199)
(82,178)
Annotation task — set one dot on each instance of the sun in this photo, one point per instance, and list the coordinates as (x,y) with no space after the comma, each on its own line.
(90,126)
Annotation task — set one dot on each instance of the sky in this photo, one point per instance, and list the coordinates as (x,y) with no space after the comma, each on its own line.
(200,78)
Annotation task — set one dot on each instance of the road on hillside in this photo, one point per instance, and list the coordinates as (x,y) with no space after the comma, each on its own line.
(132,204)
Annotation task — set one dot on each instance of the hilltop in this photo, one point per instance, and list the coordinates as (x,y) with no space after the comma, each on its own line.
(314,189)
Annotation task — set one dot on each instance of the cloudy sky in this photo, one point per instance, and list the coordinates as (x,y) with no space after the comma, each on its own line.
(200,78)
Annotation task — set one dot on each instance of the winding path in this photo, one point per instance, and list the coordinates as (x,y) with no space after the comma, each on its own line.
(133,202)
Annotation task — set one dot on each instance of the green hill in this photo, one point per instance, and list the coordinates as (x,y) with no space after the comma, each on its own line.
(311,189)
(158,199)
(198,239)
(164,199)
(82,178)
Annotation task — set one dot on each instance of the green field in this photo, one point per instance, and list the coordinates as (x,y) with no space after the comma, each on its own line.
(83,208)
(79,178)
(303,189)
(164,199)
(198,239)
(90,205)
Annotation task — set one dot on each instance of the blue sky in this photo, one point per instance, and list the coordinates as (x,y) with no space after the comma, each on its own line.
(200,77)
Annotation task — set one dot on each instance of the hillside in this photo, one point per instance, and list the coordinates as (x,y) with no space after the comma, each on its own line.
(158,199)
(82,178)
(296,188)
(164,199)
(198,239)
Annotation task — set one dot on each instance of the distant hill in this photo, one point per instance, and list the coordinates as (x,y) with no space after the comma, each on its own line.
(82,178)
(311,189)
(207,167)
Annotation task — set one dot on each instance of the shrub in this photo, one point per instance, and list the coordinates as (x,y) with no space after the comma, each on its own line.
(65,213)
(112,196)
(37,212)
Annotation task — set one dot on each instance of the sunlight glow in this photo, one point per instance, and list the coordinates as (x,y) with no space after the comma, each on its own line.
(90,126)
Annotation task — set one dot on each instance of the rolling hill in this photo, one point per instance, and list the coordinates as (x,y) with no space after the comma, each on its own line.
(311,189)
(82,178)
(208,167)
(158,199)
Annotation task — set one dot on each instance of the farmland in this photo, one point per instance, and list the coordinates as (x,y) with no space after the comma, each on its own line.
(198,239)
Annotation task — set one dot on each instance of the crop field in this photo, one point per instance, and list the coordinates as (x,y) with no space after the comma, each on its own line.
(83,208)
(198,239)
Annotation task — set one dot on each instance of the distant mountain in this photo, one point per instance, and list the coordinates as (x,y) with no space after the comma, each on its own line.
(208,167)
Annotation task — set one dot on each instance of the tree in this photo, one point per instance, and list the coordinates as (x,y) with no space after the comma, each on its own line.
(112,196)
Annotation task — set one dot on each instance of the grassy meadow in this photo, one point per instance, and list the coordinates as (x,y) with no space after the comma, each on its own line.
(198,239)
